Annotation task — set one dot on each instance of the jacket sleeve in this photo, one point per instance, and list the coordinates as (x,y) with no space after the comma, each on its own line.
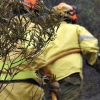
(88,44)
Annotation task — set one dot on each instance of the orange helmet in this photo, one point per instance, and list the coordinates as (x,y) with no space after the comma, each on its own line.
(27,3)
(30,3)
(24,4)
(66,10)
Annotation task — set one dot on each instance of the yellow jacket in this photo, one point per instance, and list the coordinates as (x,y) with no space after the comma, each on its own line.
(71,36)
(16,66)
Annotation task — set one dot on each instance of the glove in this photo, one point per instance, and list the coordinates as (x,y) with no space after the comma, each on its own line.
(54,86)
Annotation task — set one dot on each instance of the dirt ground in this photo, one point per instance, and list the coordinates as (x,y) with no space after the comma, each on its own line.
(91,84)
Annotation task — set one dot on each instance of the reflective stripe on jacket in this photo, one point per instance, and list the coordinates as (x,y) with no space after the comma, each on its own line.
(21,71)
(71,36)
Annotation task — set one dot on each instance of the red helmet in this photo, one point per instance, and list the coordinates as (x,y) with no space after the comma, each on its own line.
(67,11)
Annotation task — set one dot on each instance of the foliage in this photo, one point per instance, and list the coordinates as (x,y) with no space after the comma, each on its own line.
(14,31)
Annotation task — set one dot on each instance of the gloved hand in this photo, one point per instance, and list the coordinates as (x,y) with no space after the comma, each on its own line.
(54,86)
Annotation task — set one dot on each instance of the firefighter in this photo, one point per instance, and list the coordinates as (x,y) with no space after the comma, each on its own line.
(24,85)
(65,54)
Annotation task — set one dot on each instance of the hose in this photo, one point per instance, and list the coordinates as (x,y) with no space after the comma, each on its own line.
(62,55)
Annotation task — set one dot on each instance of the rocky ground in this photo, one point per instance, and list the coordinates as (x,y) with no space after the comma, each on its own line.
(91,85)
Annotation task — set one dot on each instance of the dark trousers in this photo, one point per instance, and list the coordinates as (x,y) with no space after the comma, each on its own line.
(71,87)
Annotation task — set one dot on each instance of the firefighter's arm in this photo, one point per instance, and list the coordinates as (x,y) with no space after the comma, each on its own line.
(88,44)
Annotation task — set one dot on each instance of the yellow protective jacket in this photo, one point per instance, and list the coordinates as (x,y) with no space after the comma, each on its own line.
(70,37)
(17,71)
